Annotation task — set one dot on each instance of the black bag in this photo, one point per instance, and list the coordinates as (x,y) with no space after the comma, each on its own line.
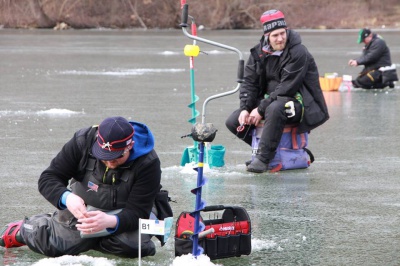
(231,236)
(389,76)
(163,208)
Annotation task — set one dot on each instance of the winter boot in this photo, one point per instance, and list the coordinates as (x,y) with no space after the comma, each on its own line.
(257,166)
(11,236)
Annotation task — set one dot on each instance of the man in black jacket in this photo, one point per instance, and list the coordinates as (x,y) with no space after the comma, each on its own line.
(279,70)
(102,181)
(376,54)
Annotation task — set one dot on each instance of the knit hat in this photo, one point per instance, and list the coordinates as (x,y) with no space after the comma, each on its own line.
(272,20)
(362,34)
(114,135)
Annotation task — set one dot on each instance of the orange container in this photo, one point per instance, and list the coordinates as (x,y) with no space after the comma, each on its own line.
(330,84)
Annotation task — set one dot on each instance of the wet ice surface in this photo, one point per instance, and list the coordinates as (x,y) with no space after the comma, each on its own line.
(343,210)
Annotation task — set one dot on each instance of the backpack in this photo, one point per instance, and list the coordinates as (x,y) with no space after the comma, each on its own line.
(291,152)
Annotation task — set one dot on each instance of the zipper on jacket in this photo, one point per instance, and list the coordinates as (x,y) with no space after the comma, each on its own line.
(114,197)
(105,175)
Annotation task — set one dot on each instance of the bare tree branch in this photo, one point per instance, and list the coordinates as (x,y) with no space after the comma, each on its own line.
(213,14)
(135,13)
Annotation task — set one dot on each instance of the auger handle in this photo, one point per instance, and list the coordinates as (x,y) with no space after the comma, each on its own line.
(240,73)
(185,15)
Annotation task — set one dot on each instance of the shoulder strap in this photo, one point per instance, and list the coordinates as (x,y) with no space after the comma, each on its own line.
(310,154)
(90,138)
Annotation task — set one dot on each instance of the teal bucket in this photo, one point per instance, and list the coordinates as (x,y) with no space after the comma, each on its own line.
(190,154)
(214,156)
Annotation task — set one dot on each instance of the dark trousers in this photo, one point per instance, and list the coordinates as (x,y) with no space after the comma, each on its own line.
(275,120)
(55,235)
(370,80)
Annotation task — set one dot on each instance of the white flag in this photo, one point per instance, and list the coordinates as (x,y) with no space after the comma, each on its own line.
(151,227)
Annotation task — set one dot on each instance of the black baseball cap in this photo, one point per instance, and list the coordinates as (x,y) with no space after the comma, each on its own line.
(362,34)
(113,136)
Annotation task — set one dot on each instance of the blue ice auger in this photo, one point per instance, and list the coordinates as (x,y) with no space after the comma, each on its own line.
(190,153)
(204,132)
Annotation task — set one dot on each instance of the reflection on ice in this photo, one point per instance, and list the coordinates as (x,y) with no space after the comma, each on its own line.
(61,112)
(8,112)
(218,52)
(49,112)
(170,53)
(122,72)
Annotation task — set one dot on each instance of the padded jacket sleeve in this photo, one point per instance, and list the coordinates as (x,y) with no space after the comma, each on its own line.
(54,180)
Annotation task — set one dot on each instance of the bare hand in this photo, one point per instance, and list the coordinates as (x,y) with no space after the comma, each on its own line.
(96,221)
(353,63)
(76,206)
(243,117)
(254,118)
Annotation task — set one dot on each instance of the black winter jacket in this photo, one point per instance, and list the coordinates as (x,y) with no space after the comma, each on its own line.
(67,164)
(293,71)
(376,54)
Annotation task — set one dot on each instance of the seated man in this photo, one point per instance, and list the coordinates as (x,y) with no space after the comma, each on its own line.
(375,54)
(279,70)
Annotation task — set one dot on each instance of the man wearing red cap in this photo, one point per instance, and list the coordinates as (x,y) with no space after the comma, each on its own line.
(102,181)
(279,69)
(375,55)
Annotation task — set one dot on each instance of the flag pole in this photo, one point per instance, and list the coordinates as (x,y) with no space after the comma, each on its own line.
(140,242)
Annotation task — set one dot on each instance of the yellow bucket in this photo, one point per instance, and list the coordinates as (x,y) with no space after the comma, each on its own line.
(330,84)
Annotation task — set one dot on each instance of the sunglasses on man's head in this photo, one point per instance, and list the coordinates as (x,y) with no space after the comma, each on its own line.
(123,154)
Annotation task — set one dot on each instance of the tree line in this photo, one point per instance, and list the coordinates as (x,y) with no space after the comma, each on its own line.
(212,14)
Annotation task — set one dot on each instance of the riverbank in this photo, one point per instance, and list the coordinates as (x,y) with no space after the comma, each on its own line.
(221,14)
